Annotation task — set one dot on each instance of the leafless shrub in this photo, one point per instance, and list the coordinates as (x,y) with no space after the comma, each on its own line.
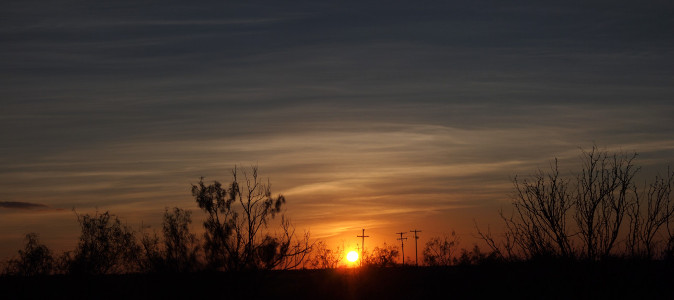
(539,222)
(651,219)
(601,199)
(582,216)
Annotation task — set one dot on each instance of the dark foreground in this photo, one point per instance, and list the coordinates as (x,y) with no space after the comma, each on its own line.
(618,280)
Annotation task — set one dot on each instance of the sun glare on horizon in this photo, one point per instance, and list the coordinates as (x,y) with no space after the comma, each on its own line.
(352,256)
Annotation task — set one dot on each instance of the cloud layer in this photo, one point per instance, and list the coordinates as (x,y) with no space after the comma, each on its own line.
(363,115)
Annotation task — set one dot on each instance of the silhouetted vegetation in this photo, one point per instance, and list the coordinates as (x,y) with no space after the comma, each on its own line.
(105,246)
(238,237)
(648,221)
(238,216)
(179,250)
(441,251)
(34,259)
(475,256)
(384,256)
(594,230)
(584,216)
(323,257)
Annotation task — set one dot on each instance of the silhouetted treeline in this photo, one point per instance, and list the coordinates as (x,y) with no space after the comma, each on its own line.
(599,213)
(238,237)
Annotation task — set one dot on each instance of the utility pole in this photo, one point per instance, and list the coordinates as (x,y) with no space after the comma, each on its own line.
(402,244)
(416,256)
(362,244)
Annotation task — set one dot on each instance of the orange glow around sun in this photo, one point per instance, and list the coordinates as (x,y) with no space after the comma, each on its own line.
(352,256)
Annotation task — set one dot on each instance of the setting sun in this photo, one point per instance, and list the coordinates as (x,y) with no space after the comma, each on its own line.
(352,256)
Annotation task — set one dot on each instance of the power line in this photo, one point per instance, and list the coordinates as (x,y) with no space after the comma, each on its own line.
(402,244)
(416,256)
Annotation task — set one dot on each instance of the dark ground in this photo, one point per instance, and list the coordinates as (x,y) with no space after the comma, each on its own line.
(616,280)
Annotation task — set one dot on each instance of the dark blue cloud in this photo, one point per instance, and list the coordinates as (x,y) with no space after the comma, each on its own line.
(22,205)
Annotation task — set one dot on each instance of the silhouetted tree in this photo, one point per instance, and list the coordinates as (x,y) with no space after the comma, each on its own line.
(180,245)
(538,224)
(384,256)
(179,248)
(324,258)
(237,235)
(34,259)
(648,219)
(601,199)
(441,251)
(153,257)
(217,201)
(105,246)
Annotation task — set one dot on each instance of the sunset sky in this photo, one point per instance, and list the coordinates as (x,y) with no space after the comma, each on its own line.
(383,115)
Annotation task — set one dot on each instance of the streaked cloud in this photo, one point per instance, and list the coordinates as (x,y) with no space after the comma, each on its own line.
(362,115)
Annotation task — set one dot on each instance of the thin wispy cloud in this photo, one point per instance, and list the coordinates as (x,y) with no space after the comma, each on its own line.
(403,111)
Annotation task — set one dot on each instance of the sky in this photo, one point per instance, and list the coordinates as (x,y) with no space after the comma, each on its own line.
(384,115)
